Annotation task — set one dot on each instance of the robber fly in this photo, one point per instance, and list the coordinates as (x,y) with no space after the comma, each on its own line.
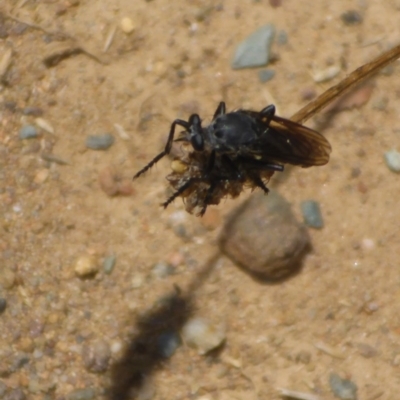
(237,149)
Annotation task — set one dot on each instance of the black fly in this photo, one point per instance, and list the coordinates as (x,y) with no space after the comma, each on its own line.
(238,149)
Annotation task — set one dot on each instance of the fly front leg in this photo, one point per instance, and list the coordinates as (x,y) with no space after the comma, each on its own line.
(167,148)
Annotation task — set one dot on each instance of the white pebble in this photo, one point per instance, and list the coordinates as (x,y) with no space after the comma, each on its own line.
(326,74)
(45,125)
(201,334)
(392,159)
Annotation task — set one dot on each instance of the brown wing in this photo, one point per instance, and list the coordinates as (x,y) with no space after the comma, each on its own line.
(286,141)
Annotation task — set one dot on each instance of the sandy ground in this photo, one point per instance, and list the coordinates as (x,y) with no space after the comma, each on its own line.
(340,314)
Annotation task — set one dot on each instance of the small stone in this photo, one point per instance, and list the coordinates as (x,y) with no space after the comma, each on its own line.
(127,25)
(20,360)
(312,214)
(3,304)
(342,388)
(352,17)
(168,343)
(366,350)
(35,111)
(96,356)
(303,356)
(266,75)
(255,50)
(137,281)
(392,159)
(275,3)
(162,270)
(201,334)
(308,93)
(264,237)
(3,389)
(86,265)
(212,218)
(326,74)
(108,181)
(100,142)
(28,132)
(108,264)
(81,394)
(7,278)
(45,125)
(41,176)
(282,38)
(26,345)
(15,394)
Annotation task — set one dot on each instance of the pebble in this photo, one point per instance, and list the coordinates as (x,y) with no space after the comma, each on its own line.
(35,111)
(3,389)
(7,278)
(312,214)
(266,75)
(255,50)
(41,176)
(326,74)
(264,237)
(366,350)
(81,394)
(352,17)
(168,343)
(342,388)
(211,219)
(99,142)
(15,394)
(28,132)
(96,356)
(162,270)
(109,263)
(127,25)
(113,184)
(3,304)
(201,334)
(86,265)
(392,159)
(45,125)
(282,38)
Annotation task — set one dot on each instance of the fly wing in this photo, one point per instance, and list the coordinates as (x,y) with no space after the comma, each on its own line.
(286,141)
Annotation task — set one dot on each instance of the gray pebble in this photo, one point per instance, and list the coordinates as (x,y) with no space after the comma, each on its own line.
(82,394)
(96,356)
(15,394)
(264,237)
(19,361)
(162,270)
(266,75)
(203,334)
(108,264)
(3,304)
(255,50)
(282,38)
(35,111)
(312,214)
(3,389)
(100,142)
(28,132)
(352,17)
(168,343)
(342,388)
(392,159)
